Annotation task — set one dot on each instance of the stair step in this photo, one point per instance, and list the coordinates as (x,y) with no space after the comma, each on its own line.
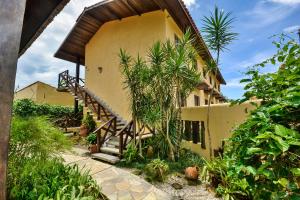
(110,150)
(113,143)
(106,157)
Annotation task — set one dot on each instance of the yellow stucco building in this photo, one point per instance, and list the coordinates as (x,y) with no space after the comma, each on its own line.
(135,31)
(105,28)
(43,93)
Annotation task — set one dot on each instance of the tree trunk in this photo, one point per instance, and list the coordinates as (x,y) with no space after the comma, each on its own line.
(207,121)
(11,22)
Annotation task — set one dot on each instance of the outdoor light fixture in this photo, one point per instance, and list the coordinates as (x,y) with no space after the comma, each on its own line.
(100,70)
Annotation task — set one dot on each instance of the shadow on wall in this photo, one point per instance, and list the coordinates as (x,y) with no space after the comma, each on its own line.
(223,118)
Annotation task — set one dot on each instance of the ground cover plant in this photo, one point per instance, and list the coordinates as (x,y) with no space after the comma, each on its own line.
(262,158)
(35,170)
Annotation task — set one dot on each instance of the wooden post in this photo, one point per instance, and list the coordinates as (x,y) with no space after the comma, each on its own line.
(76,110)
(11,22)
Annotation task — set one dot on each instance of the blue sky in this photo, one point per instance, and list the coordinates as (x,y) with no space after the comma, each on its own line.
(256,21)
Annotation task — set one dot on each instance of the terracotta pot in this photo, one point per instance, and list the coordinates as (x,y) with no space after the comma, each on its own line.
(93,148)
(192,173)
(83,131)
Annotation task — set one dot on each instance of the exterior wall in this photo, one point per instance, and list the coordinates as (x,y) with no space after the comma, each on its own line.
(134,34)
(43,93)
(48,95)
(27,93)
(223,118)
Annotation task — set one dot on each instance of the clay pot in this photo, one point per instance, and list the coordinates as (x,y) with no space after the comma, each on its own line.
(93,148)
(150,152)
(192,173)
(83,131)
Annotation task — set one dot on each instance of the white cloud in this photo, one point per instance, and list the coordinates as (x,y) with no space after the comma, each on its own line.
(291,29)
(38,62)
(266,13)
(189,2)
(287,2)
(234,83)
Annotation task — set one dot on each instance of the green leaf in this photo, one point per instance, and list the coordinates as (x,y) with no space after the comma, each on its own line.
(296,171)
(283,182)
(253,150)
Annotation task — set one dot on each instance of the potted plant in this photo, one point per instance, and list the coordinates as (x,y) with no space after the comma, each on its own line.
(92,140)
(88,125)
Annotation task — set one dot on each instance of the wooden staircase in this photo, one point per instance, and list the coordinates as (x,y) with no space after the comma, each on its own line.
(113,133)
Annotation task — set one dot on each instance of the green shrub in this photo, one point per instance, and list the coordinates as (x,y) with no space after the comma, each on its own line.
(24,108)
(89,122)
(186,159)
(27,108)
(261,159)
(131,154)
(92,138)
(35,138)
(34,170)
(52,179)
(156,170)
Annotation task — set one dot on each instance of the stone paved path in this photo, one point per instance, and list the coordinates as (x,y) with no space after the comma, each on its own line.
(117,184)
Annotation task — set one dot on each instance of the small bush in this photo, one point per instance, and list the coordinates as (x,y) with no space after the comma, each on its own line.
(89,122)
(92,138)
(131,154)
(34,138)
(157,170)
(52,179)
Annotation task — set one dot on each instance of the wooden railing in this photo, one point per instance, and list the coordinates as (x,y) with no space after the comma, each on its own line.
(127,131)
(67,82)
(110,130)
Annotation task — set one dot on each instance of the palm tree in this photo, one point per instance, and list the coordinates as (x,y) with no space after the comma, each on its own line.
(218,35)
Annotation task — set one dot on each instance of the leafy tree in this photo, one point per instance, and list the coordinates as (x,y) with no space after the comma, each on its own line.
(218,35)
(156,88)
(261,159)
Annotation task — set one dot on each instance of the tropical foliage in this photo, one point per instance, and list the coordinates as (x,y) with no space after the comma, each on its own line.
(262,158)
(157,170)
(157,86)
(218,35)
(34,168)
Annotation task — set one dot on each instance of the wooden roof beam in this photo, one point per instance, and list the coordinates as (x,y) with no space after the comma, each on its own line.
(131,6)
(124,2)
(112,12)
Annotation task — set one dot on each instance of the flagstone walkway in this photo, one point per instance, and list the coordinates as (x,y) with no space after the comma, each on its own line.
(116,184)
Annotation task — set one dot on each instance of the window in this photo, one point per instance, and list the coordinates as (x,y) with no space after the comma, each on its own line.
(202,135)
(196,132)
(206,102)
(187,130)
(197,100)
(176,39)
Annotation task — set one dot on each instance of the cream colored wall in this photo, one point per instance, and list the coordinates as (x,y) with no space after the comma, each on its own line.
(49,95)
(44,93)
(134,34)
(223,118)
(27,93)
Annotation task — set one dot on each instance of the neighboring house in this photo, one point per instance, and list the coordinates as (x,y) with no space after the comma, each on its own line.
(43,93)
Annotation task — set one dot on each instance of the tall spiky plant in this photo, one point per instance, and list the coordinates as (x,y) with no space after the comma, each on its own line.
(218,35)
